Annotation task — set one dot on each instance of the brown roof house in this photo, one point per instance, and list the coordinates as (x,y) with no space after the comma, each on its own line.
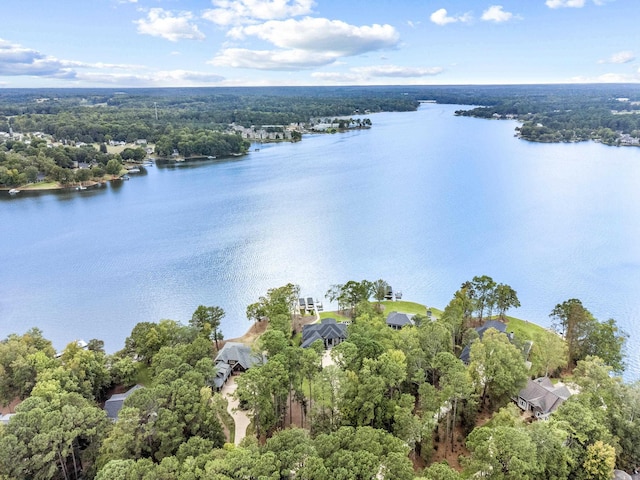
(542,397)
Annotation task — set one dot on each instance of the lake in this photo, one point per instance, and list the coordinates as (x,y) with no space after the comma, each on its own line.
(424,200)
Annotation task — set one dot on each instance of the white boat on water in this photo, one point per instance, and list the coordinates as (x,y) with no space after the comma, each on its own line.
(13,191)
(81,187)
(134,170)
(211,157)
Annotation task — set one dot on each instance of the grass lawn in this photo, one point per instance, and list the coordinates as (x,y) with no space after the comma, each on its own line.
(523,329)
(411,308)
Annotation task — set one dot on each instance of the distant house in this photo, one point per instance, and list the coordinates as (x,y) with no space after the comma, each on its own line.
(542,397)
(397,320)
(115,402)
(235,357)
(329,331)
(501,327)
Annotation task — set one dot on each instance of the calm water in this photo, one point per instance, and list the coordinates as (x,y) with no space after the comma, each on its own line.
(424,200)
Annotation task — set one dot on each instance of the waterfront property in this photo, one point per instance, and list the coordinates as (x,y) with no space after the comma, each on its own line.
(541,397)
(397,320)
(235,357)
(329,331)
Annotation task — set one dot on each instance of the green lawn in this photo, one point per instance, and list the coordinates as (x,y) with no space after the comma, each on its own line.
(411,308)
(523,329)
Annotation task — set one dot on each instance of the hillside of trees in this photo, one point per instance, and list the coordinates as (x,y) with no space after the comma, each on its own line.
(395,404)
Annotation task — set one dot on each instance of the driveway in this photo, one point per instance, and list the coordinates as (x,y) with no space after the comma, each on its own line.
(240,418)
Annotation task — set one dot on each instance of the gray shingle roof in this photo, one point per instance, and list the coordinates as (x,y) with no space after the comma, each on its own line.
(327,329)
(238,353)
(114,404)
(398,319)
(544,395)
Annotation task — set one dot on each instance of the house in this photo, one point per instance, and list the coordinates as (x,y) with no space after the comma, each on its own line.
(239,357)
(501,327)
(542,397)
(234,357)
(114,404)
(328,330)
(397,320)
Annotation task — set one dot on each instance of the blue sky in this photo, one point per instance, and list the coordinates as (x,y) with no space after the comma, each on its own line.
(156,43)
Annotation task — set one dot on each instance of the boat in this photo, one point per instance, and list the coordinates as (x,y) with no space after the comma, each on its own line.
(13,191)
(134,170)
(125,177)
(211,157)
(147,164)
(81,187)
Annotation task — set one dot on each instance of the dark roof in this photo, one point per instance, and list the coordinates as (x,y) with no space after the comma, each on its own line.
(234,352)
(327,329)
(501,327)
(115,402)
(544,395)
(399,319)
(223,370)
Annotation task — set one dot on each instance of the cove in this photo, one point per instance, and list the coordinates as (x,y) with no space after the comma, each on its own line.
(424,200)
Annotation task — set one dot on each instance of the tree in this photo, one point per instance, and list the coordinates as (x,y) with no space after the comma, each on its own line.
(19,363)
(600,461)
(549,353)
(505,298)
(52,437)
(350,294)
(113,167)
(501,453)
(497,366)
(379,288)
(207,321)
(483,291)
(572,321)
(586,336)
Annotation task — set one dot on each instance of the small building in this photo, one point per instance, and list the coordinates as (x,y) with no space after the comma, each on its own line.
(397,320)
(114,404)
(542,397)
(329,331)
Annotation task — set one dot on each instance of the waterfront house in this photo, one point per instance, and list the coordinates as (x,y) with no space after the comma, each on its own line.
(235,357)
(329,331)
(541,397)
(397,320)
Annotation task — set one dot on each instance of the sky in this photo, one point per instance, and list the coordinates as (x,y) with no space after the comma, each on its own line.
(182,43)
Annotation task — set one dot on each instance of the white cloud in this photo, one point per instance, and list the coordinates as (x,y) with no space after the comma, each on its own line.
(165,24)
(183,78)
(565,3)
(495,13)
(396,71)
(441,17)
(371,74)
(608,78)
(283,60)
(322,35)
(620,57)
(16,60)
(237,12)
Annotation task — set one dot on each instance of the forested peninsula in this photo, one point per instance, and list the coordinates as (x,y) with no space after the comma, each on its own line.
(52,138)
(381,388)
